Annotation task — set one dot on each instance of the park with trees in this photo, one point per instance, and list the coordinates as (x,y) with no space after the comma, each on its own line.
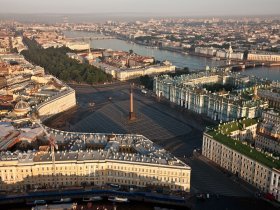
(56,62)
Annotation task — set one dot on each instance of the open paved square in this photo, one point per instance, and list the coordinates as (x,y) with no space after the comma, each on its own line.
(151,121)
(177,131)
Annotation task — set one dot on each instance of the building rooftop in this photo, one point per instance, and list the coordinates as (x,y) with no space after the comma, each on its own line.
(241,96)
(245,149)
(229,127)
(100,147)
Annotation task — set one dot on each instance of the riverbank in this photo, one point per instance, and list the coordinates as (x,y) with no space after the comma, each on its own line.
(178,59)
(78,194)
(193,62)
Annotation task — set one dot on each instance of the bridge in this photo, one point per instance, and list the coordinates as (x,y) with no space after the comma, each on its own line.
(91,38)
(248,64)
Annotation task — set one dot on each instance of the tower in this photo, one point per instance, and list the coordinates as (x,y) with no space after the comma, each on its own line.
(90,55)
(89,47)
(255,93)
(229,54)
(131,115)
(65,21)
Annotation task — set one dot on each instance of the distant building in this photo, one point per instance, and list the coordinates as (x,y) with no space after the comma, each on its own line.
(13,57)
(52,44)
(206,51)
(186,91)
(263,56)
(237,56)
(4,69)
(21,108)
(3,82)
(77,45)
(76,57)
(271,95)
(268,135)
(149,70)
(220,53)
(140,61)
(128,65)
(60,102)
(129,73)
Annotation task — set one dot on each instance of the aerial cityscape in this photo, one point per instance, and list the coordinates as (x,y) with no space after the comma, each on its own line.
(128,104)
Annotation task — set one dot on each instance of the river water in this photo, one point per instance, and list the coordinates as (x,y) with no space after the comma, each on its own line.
(178,59)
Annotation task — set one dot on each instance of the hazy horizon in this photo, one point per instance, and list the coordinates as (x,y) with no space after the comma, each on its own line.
(144,7)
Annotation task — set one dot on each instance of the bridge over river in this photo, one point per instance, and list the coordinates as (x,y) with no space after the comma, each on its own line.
(83,38)
(248,64)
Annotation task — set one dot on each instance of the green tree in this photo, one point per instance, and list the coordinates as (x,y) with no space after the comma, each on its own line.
(56,62)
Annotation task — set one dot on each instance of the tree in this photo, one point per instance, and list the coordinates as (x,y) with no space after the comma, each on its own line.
(147,81)
(56,62)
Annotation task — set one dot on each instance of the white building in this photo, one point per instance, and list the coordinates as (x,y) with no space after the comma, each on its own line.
(186,91)
(210,51)
(220,53)
(237,56)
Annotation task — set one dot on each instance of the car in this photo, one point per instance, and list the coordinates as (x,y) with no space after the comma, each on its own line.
(201,197)
(144,91)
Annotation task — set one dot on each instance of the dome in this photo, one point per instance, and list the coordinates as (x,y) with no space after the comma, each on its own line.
(22,105)
(21,108)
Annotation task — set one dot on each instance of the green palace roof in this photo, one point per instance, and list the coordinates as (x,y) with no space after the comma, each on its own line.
(245,149)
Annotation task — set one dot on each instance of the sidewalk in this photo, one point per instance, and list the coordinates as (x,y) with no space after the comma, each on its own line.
(249,188)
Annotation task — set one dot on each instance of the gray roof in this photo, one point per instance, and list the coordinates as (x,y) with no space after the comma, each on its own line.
(143,150)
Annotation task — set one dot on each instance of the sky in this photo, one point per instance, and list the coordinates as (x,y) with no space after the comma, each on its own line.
(161,7)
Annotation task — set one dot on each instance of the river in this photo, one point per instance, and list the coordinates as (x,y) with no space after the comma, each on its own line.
(178,59)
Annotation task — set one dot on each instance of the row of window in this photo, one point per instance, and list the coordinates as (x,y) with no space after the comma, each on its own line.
(261,172)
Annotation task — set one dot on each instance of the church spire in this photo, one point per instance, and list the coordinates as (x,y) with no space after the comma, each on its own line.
(89,48)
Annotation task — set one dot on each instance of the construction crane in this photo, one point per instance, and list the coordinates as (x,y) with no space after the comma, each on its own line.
(53,145)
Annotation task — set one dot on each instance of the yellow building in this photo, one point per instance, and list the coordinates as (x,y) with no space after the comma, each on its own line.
(130,160)
(249,164)
(56,104)
(125,74)
(264,56)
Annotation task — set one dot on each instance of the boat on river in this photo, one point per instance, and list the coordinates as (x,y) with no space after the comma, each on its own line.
(63,200)
(118,199)
(91,199)
(65,206)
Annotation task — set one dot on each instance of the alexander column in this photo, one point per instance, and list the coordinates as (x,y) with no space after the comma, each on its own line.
(132,115)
